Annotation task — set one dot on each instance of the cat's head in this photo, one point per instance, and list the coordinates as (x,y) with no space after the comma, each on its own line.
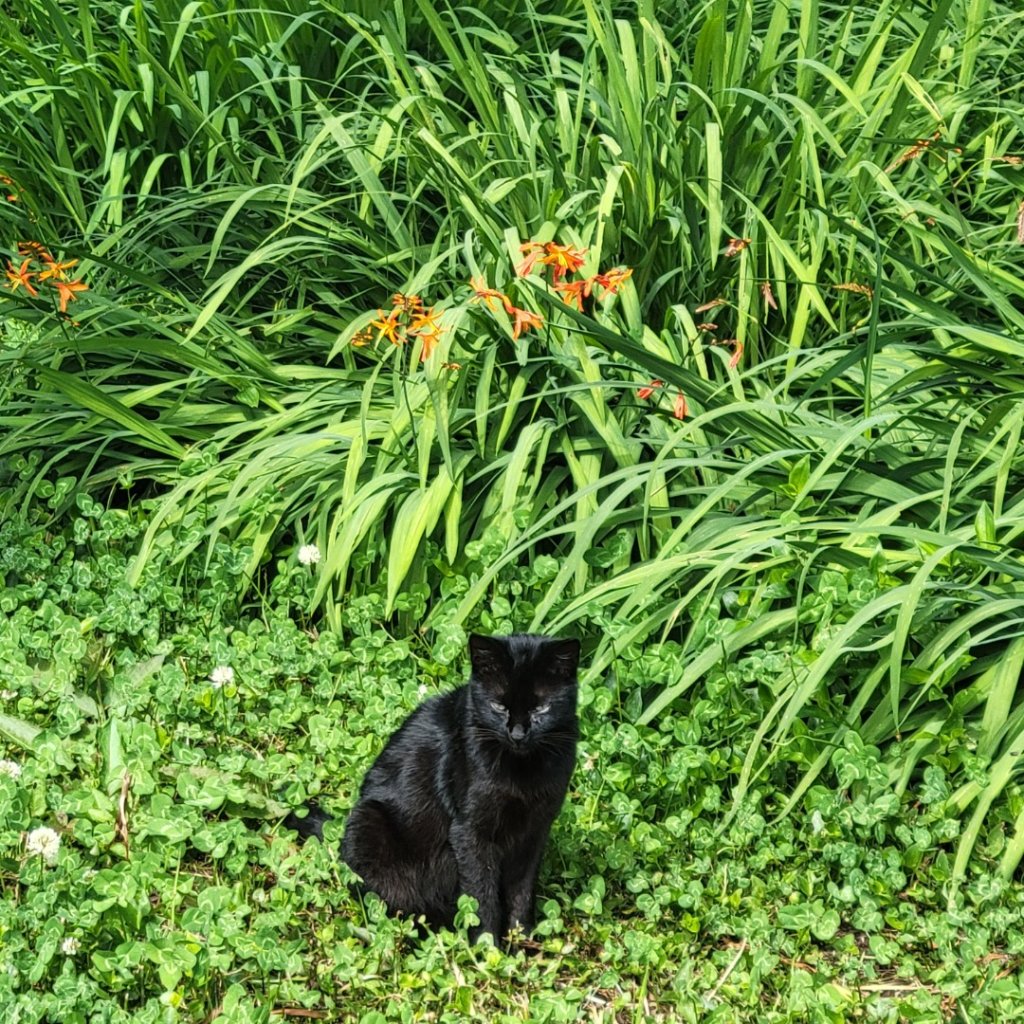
(524,688)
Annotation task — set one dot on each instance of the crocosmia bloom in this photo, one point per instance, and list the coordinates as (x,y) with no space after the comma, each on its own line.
(648,390)
(524,320)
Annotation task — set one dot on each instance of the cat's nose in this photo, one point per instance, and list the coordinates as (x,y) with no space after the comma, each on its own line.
(517,732)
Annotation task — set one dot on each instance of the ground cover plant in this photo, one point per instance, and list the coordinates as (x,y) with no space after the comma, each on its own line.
(692,332)
(159,732)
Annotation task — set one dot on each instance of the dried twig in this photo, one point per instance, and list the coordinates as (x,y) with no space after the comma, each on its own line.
(723,977)
(122,814)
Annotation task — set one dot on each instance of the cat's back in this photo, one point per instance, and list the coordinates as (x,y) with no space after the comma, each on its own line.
(417,750)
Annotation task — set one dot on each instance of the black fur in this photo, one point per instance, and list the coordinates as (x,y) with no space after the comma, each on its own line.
(461,798)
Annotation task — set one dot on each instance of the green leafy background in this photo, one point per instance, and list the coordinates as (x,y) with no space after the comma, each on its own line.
(799,788)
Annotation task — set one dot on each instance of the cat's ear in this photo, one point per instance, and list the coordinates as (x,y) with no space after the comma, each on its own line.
(565,657)
(489,657)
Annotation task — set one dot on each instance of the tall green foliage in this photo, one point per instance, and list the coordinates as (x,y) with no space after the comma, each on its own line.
(247,187)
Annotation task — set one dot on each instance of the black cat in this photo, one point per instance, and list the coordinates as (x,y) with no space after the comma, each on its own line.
(461,798)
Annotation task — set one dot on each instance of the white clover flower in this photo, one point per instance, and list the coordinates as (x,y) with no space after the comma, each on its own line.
(309,554)
(70,946)
(43,842)
(422,691)
(817,822)
(8,694)
(222,674)
(11,768)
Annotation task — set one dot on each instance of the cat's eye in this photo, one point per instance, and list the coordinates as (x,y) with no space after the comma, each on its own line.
(495,706)
(541,709)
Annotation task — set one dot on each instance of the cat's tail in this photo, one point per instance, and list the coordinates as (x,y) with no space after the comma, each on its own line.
(311,824)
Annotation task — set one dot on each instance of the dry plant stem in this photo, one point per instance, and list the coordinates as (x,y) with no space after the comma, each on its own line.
(712,995)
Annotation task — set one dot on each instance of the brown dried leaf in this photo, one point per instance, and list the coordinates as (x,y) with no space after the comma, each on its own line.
(768,295)
(913,152)
(736,246)
(122,814)
(860,289)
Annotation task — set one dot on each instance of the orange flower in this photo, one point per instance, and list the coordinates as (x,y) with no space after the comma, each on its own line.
(451,366)
(56,270)
(646,392)
(575,291)
(427,328)
(533,251)
(613,280)
(736,246)
(524,320)
(488,295)
(363,337)
(737,354)
(563,259)
(427,322)
(388,327)
(407,303)
(713,304)
(35,249)
(427,345)
(768,295)
(680,409)
(67,289)
(21,278)
(707,326)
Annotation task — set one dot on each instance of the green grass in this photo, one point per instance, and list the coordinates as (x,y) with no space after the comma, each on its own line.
(836,522)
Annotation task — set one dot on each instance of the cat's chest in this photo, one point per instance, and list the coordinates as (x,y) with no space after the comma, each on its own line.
(505,813)
(505,818)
